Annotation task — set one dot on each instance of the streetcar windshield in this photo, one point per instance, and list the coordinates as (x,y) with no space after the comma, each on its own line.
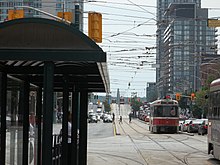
(166,111)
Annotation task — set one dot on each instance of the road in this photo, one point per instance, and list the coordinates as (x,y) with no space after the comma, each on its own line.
(134,146)
(137,146)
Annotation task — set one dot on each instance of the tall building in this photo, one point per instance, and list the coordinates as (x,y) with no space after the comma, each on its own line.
(49,6)
(6,5)
(151,95)
(182,38)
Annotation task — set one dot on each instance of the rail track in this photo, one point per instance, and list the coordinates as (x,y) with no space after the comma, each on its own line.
(140,130)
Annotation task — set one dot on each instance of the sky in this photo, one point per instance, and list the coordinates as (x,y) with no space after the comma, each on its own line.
(129,39)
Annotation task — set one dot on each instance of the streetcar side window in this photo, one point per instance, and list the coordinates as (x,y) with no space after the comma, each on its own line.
(214,105)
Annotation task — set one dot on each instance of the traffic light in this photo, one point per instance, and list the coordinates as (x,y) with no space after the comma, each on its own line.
(66,16)
(15,14)
(95,26)
(192,96)
(178,96)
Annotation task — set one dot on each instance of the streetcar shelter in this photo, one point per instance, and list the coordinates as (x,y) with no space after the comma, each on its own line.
(39,57)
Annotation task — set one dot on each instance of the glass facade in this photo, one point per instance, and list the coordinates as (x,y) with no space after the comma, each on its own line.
(5,5)
(183,37)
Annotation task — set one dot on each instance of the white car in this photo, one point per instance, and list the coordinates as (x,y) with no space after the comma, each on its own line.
(107,119)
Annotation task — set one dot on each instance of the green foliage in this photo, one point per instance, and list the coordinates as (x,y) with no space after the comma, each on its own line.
(135,104)
(197,112)
(208,82)
(201,103)
(200,98)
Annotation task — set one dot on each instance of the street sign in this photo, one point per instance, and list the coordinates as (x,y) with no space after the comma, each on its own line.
(213,23)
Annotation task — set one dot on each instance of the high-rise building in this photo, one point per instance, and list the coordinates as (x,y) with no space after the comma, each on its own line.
(49,6)
(151,95)
(182,38)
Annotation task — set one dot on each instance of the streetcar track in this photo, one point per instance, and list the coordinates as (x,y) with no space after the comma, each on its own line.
(183,160)
(167,135)
(180,141)
(117,156)
(177,158)
(135,146)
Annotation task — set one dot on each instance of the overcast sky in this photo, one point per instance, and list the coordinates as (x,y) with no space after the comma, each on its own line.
(128,29)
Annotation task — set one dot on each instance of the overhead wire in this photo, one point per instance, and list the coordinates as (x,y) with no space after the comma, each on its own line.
(123,40)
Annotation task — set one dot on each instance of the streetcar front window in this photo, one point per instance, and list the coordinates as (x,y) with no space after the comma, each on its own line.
(166,111)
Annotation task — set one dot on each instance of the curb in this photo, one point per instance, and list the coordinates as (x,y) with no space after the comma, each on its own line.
(186,133)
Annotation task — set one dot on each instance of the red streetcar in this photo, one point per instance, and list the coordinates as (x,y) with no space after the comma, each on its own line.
(214,119)
(164,116)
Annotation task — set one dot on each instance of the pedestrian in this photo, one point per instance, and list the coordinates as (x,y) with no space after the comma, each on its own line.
(120,120)
(130,117)
(113,118)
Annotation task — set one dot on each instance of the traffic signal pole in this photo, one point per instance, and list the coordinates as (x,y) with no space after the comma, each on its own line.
(192,99)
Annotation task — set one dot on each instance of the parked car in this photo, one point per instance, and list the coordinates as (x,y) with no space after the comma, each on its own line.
(147,117)
(92,118)
(203,127)
(185,125)
(98,116)
(194,125)
(107,119)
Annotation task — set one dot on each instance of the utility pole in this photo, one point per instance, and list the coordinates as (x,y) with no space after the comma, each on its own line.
(118,100)
(77,13)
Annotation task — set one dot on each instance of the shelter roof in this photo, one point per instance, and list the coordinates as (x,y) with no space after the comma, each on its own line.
(25,44)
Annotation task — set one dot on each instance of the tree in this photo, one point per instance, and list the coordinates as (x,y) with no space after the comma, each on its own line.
(135,105)
(201,103)
(197,111)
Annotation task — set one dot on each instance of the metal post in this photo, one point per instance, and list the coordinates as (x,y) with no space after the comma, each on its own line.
(65,120)
(77,13)
(83,127)
(25,90)
(75,107)
(47,113)
(39,113)
(3,96)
